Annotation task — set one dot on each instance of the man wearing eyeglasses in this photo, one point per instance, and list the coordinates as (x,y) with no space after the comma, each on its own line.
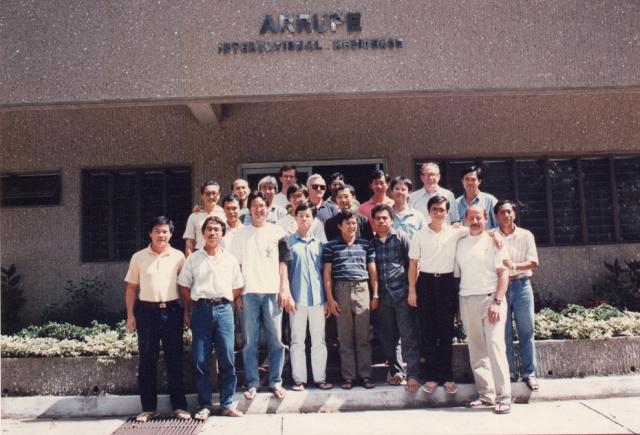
(288,176)
(430,177)
(210,194)
(317,188)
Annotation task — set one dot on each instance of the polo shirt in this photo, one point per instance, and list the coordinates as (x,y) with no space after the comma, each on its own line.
(211,277)
(521,246)
(409,221)
(366,207)
(274,214)
(305,270)
(477,262)
(326,211)
(349,261)
(260,250)
(435,251)
(392,264)
(420,198)
(486,200)
(193,230)
(290,225)
(155,274)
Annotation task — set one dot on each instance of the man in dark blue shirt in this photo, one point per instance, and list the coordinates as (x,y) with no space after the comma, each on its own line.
(345,197)
(349,262)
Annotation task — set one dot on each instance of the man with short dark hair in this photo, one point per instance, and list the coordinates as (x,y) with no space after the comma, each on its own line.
(395,319)
(378,183)
(240,188)
(209,282)
(210,194)
(522,259)
(471,180)
(349,262)
(336,180)
(298,194)
(287,176)
(345,196)
(154,311)
(405,217)
(231,207)
(430,177)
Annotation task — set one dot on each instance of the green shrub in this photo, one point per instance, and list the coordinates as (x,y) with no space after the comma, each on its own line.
(621,288)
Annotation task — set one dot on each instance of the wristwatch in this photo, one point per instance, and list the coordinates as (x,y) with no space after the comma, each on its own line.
(497,300)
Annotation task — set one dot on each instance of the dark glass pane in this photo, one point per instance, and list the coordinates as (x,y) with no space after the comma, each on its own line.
(564,196)
(179,203)
(30,189)
(497,178)
(124,215)
(532,204)
(95,216)
(451,176)
(597,195)
(153,198)
(627,171)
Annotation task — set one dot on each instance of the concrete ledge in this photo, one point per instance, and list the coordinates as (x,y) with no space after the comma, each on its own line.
(313,400)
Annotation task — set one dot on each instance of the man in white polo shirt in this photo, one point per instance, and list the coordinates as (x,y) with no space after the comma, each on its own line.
(262,251)
(483,285)
(430,177)
(153,310)
(209,282)
(210,195)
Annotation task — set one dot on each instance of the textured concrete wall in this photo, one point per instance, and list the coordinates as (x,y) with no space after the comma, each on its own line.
(82,51)
(397,130)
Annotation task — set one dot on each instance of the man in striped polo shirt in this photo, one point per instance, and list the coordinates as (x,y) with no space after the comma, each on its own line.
(349,262)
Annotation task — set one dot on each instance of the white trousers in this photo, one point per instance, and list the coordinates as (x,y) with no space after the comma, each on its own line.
(487,348)
(298,322)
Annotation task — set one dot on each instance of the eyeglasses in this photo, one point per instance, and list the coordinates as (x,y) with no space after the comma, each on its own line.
(318,187)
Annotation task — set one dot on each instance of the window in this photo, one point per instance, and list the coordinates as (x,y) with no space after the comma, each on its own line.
(32,189)
(563,201)
(117,206)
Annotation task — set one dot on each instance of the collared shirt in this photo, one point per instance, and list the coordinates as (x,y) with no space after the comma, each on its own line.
(477,264)
(332,230)
(420,198)
(354,205)
(211,277)
(486,200)
(280,199)
(274,214)
(366,207)
(290,225)
(409,221)
(305,270)
(521,246)
(193,229)
(230,233)
(326,211)
(349,261)
(435,251)
(155,274)
(392,264)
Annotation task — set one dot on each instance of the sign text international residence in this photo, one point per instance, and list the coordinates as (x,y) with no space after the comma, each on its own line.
(300,29)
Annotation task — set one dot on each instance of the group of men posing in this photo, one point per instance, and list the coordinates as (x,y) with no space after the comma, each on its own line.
(395,257)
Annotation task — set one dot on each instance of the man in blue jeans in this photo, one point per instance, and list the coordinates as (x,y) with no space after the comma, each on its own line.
(154,311)
(209,282)
(522,259)
(262,251)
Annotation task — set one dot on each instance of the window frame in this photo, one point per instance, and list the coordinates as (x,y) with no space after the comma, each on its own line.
(41,173)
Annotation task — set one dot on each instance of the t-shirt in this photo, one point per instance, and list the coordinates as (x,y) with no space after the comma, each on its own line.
(260,250)
(155,274)
(477,262)
(211,277)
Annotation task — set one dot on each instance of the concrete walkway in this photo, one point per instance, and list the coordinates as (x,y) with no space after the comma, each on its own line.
(614,415)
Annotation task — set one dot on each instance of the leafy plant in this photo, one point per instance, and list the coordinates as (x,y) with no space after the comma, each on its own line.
(621,288)
(12,299)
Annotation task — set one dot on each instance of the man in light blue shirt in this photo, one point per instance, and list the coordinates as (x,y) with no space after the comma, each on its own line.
(471,180)
(406,218)
(430,177)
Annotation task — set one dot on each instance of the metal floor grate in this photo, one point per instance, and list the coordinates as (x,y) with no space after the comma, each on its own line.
(160,426)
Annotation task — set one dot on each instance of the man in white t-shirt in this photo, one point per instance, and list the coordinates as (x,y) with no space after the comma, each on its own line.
(483,307)
(288,177)
(210,194)
(262,251)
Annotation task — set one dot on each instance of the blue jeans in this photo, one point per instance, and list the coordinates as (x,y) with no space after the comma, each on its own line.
(154,325)
(520,305)
(262,309)
(212,325)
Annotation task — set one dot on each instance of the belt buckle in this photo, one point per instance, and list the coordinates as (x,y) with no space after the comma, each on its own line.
(436,275)
(162,305)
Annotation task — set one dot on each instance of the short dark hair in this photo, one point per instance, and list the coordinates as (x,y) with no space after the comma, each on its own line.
(473,168)
(294,188)
(348,187)
(381,207)
(307,206)
(207,184)
(437,199)
(499,204)
(345,215)
(230,198)
(160,220)
(336,176)
(377,174)
(253,195)
(287,168)
(233,183)
(217,220)
(401,179)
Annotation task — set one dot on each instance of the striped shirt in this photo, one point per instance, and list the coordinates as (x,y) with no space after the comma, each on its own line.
(392,264)
(521,246)
(349,261)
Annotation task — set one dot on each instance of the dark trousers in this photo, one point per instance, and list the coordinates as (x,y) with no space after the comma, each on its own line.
(154,325)
(437,306)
